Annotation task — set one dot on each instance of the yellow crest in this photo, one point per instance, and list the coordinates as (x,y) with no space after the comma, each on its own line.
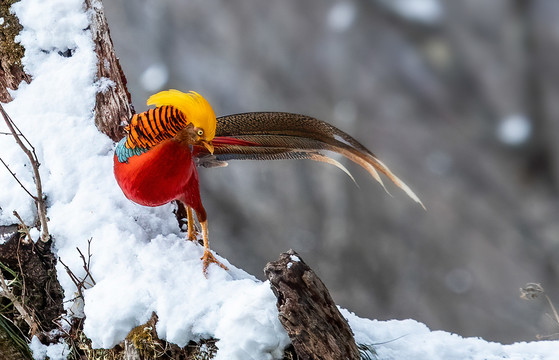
(195,108)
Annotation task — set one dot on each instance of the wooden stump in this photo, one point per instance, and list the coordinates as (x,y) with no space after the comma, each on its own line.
(314,324)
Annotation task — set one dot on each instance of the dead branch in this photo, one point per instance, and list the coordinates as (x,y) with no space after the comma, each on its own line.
(23,228)
(81,284)
(39,199)
(23,287)
(17,179)
(86,263)
(27,317)
(76,280)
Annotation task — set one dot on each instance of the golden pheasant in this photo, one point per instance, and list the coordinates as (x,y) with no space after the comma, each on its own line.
(155,163)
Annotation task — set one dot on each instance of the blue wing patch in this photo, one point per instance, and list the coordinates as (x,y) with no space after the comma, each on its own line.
(123,153)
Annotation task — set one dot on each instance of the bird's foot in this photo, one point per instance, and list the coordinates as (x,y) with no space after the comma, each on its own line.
(192,234)
(209,258)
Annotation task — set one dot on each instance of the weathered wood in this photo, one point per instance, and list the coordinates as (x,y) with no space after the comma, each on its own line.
(11,70)
(314,324)
(41,293)
(130,351)
(113,102)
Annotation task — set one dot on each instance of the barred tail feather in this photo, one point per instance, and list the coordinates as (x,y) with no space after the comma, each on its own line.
(273,135)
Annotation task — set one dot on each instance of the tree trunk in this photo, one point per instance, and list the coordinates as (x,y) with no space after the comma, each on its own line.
(113,105)
(313,322)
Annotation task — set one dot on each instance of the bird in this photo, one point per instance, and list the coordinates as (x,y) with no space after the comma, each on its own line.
(156,161)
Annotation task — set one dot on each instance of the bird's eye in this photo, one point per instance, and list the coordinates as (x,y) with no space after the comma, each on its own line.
(200,132)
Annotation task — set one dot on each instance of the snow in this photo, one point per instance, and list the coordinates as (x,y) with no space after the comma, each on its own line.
(341,16)
(154,77)
(165,276)
(422,11)
(57,351)
(409,339)
(514,130)
(4,237)
(294,258)
(140,261)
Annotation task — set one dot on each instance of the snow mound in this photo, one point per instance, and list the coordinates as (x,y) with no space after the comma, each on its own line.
(409,339)
(165,276)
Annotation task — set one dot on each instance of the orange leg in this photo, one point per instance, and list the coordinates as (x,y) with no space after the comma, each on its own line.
(192,232)
(208,257)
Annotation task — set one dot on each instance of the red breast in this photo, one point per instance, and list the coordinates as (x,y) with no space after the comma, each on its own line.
(159,175)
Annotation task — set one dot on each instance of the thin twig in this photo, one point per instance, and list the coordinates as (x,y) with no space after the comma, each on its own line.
(555,314)
(5,133)
(86,268)
(19,182)
(547,337)
(7,293)
(86,263)
(74,278)
(71,300)
(19,133)
(81,284)
(23,287)
(39,199)
(24,227)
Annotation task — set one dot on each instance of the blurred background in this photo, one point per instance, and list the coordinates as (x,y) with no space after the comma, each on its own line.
(459,98)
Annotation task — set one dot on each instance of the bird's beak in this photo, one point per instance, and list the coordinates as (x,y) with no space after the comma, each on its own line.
(208,145)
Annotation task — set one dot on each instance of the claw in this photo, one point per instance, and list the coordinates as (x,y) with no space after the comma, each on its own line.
(192,235)
(208,258)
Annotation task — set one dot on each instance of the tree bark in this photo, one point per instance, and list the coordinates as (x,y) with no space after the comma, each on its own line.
(314,324)
(11,70)
(113,105)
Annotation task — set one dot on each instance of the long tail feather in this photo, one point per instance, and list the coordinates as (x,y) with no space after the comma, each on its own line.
(273,135)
